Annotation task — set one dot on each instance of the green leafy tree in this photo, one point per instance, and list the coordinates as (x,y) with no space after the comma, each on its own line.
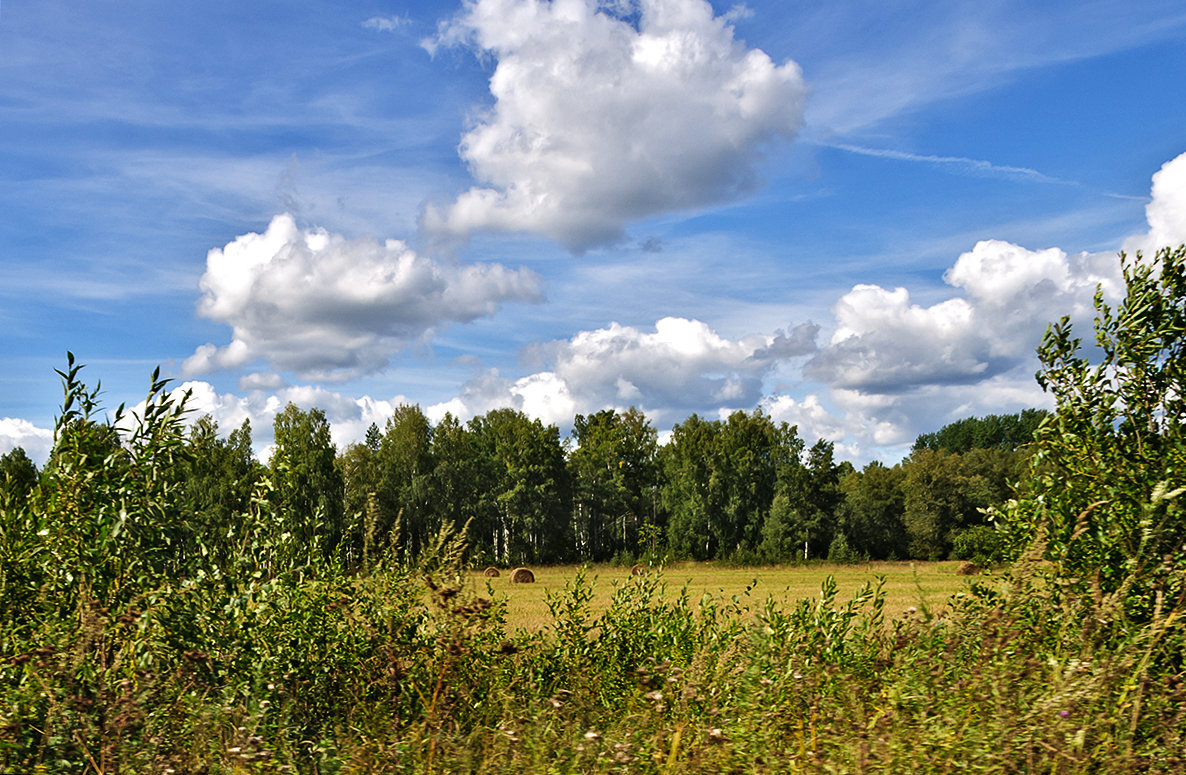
(526,500)
(405,465)
(1111,463)
(721,479)
(821,498)
(947,494)
(307,484)
(359,470)
(935,503)
(373,438)
(994,431)
(802,523)
(871,513)
(108,506)
(782,536)
(615,481)
(218,478)
(689,492)
(746,465)
(18,477)
(462,481)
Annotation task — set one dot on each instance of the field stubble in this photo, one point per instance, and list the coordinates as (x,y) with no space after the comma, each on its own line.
(907,585)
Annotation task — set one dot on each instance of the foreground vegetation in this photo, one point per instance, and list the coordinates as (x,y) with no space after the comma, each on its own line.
(134,640)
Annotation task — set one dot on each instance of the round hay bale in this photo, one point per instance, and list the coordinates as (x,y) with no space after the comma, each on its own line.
(638,570)
(968,569)
(491,572)
(522,576)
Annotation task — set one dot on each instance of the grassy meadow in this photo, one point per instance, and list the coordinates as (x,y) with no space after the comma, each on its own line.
(907,585)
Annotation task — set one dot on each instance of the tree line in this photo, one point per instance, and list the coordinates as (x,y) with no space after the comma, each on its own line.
(743,489)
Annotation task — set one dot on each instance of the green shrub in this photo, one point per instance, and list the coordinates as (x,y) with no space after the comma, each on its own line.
(1105,507)
(840,551)
(982,544)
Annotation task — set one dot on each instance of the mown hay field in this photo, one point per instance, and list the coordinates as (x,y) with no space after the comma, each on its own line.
(908,585)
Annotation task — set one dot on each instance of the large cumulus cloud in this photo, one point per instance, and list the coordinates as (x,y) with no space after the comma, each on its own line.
(678,367)
(326,307)
(884,343)
(602,117)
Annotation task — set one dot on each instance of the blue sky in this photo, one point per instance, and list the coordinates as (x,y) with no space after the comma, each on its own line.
(858,216)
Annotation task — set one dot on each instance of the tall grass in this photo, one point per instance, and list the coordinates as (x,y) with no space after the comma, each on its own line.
(392,671)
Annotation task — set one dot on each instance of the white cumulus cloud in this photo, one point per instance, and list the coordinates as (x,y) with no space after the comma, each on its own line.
(37,442)
(607,113)
(1166,211)
(326,307)
(348,416)
(679,367)
(884,343)
(812,418)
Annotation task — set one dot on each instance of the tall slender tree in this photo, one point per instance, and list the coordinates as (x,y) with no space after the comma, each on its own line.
(307,483)
(615,481)
(218,476)
(406,478)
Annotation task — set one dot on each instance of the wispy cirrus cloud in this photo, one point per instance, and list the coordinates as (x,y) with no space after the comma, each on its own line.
(387,23)
(960,164)
(963,49)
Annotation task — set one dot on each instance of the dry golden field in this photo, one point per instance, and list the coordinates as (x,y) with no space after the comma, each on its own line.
(907,584)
